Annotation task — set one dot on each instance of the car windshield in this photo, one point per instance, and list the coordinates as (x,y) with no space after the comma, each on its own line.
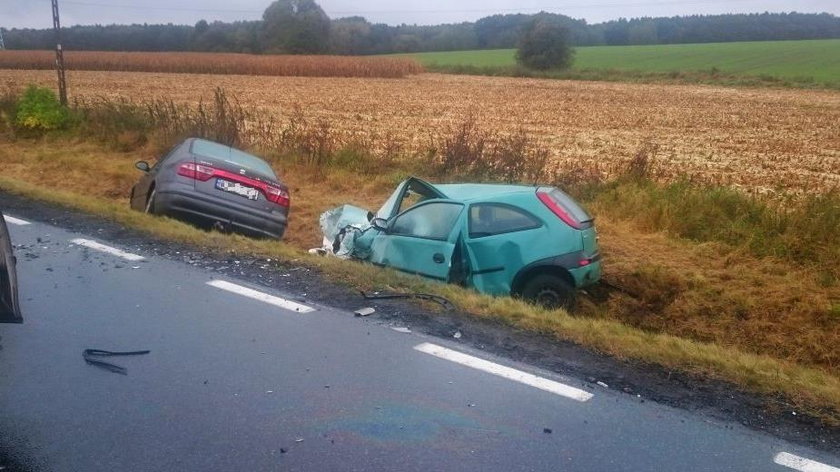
(231,155)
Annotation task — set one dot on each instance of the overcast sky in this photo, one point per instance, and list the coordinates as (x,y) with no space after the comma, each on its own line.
(36,13)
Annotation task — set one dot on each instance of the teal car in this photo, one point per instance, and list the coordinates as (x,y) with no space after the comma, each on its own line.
(531,242)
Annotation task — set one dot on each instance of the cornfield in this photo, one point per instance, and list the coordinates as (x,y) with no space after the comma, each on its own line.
(216,63)
(766,141)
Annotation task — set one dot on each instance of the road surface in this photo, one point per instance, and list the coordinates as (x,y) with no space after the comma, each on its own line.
(241,377)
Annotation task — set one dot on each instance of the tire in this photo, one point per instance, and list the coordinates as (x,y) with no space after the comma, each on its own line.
(550,291)
(150,203)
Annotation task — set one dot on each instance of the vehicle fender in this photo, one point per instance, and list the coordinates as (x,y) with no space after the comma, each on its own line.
(9,304)
(557,265)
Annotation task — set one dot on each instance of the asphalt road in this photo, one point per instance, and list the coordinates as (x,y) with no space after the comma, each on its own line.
(240,379)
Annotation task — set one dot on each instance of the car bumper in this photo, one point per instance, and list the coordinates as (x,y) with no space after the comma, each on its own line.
(587,275)
(208,210)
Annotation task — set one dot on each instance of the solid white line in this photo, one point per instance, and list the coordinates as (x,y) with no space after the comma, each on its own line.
(263,297)
(107,249)
(504,372)
(15,221)
(802,464)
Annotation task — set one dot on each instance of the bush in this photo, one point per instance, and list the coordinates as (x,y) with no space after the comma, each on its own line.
(544,45)
(39,109)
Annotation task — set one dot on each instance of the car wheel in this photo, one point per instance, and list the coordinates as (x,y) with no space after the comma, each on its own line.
(550,291)
(150,203)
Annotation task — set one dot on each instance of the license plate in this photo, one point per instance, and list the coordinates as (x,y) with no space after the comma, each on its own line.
(235,187)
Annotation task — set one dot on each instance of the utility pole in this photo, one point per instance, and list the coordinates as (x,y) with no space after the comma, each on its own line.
(59,56)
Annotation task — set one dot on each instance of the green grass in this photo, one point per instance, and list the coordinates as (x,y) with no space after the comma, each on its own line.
(815,61)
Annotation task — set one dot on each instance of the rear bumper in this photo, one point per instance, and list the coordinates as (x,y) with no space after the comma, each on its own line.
(587,275)
(207,210)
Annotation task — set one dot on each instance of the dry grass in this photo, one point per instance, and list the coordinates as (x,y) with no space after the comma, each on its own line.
(216,63)
(767,141)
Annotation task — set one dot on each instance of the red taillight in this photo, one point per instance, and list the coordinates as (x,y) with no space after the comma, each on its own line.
(276,195)
(196,171)
(558,210)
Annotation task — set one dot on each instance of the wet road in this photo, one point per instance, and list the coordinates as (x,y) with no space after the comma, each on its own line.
(242,378)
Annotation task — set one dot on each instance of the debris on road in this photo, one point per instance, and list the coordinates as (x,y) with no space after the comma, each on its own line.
(602,384)
(90,356)
(547,430)
(401,329)
(457,335)
(421,296)
(364,311)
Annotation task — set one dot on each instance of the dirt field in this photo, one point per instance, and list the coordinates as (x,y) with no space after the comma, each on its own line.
(760,140)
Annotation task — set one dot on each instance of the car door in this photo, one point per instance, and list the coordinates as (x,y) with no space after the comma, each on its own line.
(421,240)
(140,191)
(409,192)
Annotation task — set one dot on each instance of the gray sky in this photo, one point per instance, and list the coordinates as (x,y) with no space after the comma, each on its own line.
(36,13)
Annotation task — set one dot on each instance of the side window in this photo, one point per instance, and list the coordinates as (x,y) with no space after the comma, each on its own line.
(487,219)
(167,155)
(432,221)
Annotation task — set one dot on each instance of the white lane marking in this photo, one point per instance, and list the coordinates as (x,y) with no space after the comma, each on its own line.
(802,464)
(107,249)
(504,372)
(263,297)
(15,221)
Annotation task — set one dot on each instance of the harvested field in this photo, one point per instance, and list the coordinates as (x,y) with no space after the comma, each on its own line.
(216,63)
(767,141)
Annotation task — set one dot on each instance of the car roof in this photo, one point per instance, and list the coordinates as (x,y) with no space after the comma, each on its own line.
(470,192)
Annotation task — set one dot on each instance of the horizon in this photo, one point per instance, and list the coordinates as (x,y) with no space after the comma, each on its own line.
(113,12)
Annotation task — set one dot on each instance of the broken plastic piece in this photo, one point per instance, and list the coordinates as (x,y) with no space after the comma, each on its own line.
(457,335)
(602,384)
(90,357)
(364,311)
(401,329)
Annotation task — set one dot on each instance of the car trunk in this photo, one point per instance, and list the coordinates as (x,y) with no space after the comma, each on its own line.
(237,184)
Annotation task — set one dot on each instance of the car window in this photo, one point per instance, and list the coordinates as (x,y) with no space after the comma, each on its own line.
(432,221)
(487,219)
(234,156)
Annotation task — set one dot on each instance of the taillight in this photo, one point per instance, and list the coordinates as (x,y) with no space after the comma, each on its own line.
(558,210)
(276,195)
(196,171)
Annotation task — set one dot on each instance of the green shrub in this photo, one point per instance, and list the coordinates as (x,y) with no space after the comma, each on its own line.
(39,109)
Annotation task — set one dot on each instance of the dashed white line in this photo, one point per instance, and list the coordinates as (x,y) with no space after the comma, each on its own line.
(504,372)
(260,296)
(802,464)
(15,221)
(107,249)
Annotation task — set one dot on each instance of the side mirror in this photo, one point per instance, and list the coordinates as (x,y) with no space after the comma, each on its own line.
(380,224)
(143,165)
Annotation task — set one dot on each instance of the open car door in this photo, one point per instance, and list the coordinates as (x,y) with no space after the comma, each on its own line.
(9,305)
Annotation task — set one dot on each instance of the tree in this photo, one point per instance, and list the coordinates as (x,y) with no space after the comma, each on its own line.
(295,27)
(544,44)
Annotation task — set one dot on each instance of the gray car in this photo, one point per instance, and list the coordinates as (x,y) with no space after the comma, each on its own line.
(215,186)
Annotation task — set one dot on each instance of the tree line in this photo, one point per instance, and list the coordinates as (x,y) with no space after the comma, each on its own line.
(301,26)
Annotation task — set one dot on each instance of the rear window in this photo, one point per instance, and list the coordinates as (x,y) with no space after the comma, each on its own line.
(487,219)
(220,152)
(569,204)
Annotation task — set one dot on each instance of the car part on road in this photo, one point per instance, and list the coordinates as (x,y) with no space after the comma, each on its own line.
(90,356)
(419,296)
(9,303)
(364,311)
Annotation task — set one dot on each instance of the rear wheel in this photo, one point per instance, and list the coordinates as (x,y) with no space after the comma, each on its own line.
(150,203)
(550,291)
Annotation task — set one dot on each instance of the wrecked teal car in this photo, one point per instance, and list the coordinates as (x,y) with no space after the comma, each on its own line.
(531,242)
